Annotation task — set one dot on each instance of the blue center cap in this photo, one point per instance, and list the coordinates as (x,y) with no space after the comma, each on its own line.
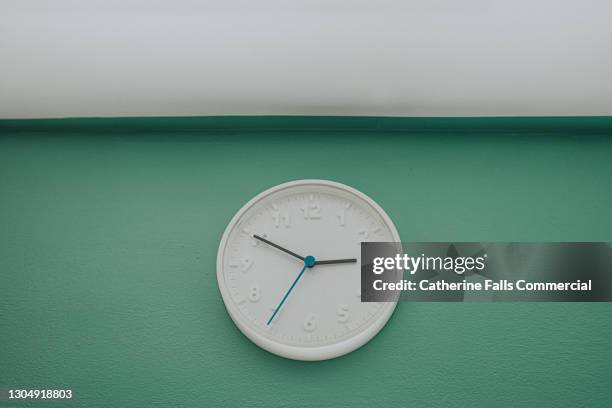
(310,261)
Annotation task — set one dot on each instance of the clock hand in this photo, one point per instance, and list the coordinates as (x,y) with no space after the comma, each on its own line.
(336,261)
(279,247)
(309,262)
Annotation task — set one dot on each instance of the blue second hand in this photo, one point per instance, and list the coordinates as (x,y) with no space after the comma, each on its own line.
(309,262)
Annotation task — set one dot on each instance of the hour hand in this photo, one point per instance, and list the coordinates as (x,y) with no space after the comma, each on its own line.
(285,250)
(336,261)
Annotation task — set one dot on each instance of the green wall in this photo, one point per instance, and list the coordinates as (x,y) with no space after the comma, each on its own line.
(109,230)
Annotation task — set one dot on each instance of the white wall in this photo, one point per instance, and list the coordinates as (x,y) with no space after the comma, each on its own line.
(421,57)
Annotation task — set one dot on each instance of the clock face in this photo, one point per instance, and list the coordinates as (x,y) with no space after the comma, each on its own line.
(289,269)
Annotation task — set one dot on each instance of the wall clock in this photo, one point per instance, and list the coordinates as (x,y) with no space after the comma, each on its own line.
(288,269)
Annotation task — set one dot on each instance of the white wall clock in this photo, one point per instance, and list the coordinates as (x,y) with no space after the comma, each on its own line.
(288,269)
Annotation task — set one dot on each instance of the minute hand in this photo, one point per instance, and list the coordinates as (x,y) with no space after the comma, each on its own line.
(336,261)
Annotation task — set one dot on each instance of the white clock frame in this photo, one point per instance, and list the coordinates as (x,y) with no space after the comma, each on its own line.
(290,351)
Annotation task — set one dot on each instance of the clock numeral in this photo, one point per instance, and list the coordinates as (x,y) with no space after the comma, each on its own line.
(363,235)
(239,299)
(312,209)
(256,242)
(254,293)
(246,264)
(342,218)
(342,215)
(272,308)
(343,314)
(281,219)
(310,324)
